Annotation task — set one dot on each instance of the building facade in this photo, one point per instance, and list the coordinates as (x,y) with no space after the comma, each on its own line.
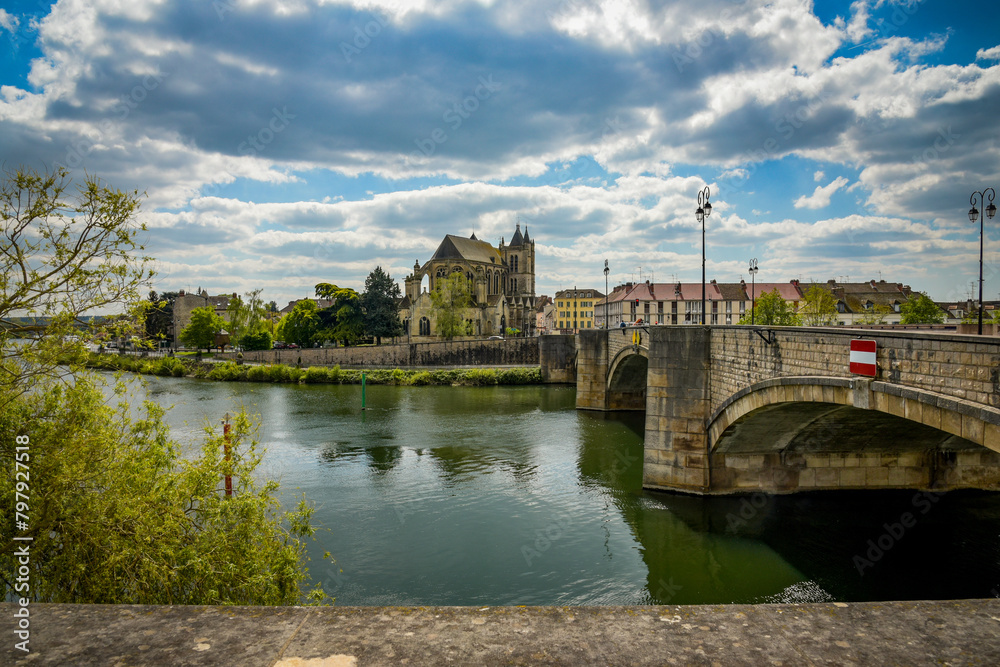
(185,303)
(575,309)
(501,281)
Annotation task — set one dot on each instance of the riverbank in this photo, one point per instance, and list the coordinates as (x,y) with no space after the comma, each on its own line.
(228,371)
(954,632)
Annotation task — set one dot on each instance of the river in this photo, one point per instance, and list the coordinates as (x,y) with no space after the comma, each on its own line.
(510,496)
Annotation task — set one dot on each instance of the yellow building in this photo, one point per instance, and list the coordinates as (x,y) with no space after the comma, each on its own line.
(575,309)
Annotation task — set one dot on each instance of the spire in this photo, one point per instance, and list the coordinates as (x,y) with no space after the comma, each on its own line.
(517,239)
(526,239)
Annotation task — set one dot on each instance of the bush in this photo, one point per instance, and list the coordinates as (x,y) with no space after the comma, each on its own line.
(226,370)
(256,374)
(478,377)
(316,374)
(420,379)
(333,374)
(258,341)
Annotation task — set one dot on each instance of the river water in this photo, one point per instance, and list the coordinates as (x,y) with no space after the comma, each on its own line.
(510,496)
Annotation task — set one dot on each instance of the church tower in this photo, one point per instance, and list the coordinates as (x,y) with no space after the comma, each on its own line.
(519,255)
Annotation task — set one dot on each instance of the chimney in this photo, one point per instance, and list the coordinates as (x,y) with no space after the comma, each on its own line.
(795,282)
(874,285)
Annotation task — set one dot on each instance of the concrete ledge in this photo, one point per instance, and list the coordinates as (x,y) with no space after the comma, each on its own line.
(962,632)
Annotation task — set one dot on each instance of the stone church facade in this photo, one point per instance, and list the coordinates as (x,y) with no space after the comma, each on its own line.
(501,281)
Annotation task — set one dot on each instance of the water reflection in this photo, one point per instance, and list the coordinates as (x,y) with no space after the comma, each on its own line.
(508,495)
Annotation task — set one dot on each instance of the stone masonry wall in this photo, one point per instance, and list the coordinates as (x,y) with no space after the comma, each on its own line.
(963,367)
(510,352)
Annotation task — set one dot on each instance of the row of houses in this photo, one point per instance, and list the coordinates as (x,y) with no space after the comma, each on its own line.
(725,303)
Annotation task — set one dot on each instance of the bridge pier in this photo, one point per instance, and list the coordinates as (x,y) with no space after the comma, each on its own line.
(677,455)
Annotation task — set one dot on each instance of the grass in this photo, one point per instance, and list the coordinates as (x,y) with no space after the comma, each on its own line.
(229,371)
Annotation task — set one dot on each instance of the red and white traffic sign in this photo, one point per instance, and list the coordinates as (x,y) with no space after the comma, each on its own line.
(863,358)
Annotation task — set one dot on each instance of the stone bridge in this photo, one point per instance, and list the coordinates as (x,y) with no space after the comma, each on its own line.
(737,408)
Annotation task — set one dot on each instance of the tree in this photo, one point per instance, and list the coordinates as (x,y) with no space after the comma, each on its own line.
(379,304)
(919,309)
(245,316)
(819,307)
(450,298)
(261,340)
(343,320)
(202,329)
(772,310)
(121,514)
(301,325)
(159,314)
(62,255)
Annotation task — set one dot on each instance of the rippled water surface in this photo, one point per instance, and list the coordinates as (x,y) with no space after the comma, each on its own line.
(508,495)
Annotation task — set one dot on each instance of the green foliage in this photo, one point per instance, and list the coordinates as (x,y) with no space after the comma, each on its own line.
(344,320)
(301,325)
(227,371)
(449,299)
(159,314)
(919,309)
(246,318)
(119,516)
(819,307)
(64,255)
(201,331)
(316,374)
(420,378)
(382,293)
(479,377)
(258,341)
(772,310)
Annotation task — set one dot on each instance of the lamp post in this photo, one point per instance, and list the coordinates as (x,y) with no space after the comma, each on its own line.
(704,210)
(753,288)
(607,323)
(988,212)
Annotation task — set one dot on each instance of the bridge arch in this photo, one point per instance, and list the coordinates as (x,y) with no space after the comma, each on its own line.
(976,423)
(627,379)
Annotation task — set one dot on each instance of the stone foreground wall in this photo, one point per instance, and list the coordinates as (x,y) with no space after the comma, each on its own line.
(510,352)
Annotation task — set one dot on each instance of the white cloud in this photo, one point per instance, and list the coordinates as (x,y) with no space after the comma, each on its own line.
(820,197)
(8,21)
(988,54)
(819,176)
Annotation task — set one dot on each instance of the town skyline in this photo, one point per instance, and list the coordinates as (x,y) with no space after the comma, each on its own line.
(848,139)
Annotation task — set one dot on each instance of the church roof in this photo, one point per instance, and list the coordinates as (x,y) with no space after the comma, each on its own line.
(517,239)
(472,250)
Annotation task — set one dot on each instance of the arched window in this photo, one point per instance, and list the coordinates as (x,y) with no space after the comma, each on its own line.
(515,263)
(496,282)
(425,326)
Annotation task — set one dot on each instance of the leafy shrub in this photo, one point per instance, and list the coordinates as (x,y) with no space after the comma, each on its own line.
(478,377)
(258,341)
(420,378)
(256,374)
(316,374)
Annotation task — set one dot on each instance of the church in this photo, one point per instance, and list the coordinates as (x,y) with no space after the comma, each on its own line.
(501,281)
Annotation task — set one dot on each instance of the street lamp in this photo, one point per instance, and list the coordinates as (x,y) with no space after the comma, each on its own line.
(704,210)
(753,288)
(988,212)
(606,269)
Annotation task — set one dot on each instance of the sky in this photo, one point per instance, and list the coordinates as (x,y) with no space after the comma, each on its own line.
(281,144)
